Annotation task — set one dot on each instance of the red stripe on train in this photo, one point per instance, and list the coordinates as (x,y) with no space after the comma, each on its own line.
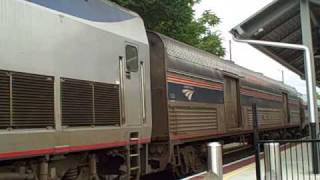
(261,95)
(68,149)
(193,82)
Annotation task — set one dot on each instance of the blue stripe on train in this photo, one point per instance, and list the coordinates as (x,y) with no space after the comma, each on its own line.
(188,93)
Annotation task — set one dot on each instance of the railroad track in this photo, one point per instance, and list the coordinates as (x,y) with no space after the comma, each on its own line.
(236,152)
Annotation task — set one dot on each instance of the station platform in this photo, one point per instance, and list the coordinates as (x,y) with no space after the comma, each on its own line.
(243,169)
(296,163)
(244,173)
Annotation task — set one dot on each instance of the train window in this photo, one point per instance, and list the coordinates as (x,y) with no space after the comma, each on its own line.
(132,58)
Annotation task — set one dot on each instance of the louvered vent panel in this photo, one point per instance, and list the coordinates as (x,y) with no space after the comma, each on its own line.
(107,108)
(193,119)
(77,102)
(4,100)
(33,101)
(267,117)
(295,116)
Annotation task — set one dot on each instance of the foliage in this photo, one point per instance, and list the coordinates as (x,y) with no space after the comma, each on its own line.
(318,95)
(175,18)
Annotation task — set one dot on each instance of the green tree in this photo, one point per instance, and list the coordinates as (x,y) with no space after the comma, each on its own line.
(318,95)
(175,18)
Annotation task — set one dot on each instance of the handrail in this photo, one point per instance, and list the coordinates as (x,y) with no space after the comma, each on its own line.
(290,141)
(143,93)
(122,105)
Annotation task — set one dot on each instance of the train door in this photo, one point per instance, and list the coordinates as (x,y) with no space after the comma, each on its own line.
(231,103)
(131,87)
(286,117)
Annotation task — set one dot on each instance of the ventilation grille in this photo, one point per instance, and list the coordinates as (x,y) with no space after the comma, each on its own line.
(76,103)
(192,119)
(28,103)
(87,103)
(267,117)
(107,108)
(295,116)
(4,100)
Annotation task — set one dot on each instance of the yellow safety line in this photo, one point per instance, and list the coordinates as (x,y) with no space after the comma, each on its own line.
(237,172)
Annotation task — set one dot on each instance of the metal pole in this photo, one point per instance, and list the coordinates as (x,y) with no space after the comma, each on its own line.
(282,76)
(215,161)
(272,161)
(256,140)
(230,49)
(307,40)
(311,84)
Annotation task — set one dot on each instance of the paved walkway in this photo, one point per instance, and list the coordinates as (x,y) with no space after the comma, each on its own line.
(245,173)
(296,164)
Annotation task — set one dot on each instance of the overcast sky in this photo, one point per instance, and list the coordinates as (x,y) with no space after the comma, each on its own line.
(232,12)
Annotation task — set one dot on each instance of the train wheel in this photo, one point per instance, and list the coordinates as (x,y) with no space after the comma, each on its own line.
(191,161)
(299,135)
(276,135)
(71,174)
(266,136)
(286,135)
(182,170)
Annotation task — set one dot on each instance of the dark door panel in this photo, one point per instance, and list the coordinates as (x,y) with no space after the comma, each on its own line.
(286,116)
(231,103)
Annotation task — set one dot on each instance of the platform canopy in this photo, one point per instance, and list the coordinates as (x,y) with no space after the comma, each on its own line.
(286,21)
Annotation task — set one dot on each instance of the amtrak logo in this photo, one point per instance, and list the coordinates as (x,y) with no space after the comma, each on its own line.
(188,92)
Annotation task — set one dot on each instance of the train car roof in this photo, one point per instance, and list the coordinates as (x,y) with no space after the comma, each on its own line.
(101,14)
(187,54)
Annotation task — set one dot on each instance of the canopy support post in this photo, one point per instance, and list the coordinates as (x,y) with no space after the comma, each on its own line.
(307,41)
